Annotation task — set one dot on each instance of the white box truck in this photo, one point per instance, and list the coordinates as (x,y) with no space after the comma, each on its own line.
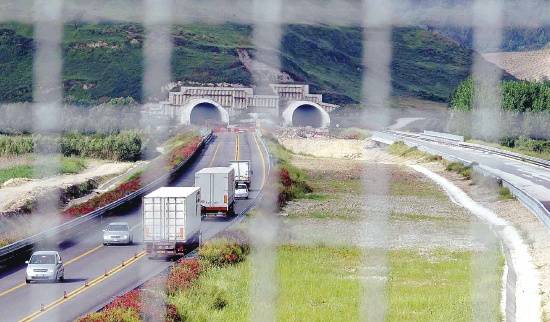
(243,172)
(171,221)
(217,190)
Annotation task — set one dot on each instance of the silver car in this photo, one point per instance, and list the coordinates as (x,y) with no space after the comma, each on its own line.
(241,191)
(117,233)
(45,266)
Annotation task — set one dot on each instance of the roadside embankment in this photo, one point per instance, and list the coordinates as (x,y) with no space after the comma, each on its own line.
(490,194)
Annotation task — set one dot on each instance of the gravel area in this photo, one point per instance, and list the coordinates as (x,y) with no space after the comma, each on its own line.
(418,214)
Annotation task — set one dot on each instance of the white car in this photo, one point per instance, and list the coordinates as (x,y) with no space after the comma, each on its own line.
(45,266)
(117,233)
(241,191)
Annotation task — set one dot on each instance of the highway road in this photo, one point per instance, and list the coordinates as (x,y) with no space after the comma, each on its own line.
(87,261)
(530,178)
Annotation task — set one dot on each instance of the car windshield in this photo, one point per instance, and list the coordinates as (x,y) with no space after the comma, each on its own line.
(42,259)
(118,228)
(241,186)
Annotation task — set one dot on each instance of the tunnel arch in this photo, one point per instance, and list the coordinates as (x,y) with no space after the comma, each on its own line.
(304,113)
(203,108)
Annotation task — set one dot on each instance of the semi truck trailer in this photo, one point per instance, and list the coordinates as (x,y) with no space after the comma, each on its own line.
(171,221)
(243,172)
(217,190)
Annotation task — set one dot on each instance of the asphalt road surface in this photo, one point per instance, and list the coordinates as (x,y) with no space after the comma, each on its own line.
(87,261)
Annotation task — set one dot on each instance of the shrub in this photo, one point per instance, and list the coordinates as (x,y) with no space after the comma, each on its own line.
(118,314)
(220,252)
(129,308)
(102,200)
(182,275)
(124,146)
(508,141)
(463,170)
(182,152)
(505,194)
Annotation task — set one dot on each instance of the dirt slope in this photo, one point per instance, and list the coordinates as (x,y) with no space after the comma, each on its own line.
(528,65)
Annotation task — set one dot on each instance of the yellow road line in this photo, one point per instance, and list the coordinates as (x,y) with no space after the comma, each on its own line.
(237,147)
(263,160)
(215,153)
(83,255)
(18,286)
(12,289)
(83,288)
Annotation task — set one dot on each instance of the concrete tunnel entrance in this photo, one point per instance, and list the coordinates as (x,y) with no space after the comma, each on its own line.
(205,114)
(307,115)
(304,113)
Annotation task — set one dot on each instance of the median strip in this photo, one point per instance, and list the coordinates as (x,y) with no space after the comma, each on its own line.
(67,296)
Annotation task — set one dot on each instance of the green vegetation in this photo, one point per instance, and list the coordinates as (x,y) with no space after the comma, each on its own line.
(318,283)
(505,194)
(520,96)
(19,171)
(124,146)
(514,39)
(401,149)
(219,294)
(321,283)
(105,61)
(222,251)
(330,58)
(527,146)
(417,217)
(464,170)
(413,186)
(68,166)
(16,145)
(292,181)
(352,133)
(438,286)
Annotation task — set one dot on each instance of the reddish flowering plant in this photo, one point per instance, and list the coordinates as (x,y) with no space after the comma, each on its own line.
(182,275)
(131,299)
(284,177)
(104,199)
(183,152)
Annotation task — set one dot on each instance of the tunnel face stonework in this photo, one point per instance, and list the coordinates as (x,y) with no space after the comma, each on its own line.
(292,103)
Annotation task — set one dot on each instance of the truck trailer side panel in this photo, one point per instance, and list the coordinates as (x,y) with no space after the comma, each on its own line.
(171,220)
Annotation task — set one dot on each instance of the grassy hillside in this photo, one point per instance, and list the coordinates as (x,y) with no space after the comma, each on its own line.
(105,61)
(514,39)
